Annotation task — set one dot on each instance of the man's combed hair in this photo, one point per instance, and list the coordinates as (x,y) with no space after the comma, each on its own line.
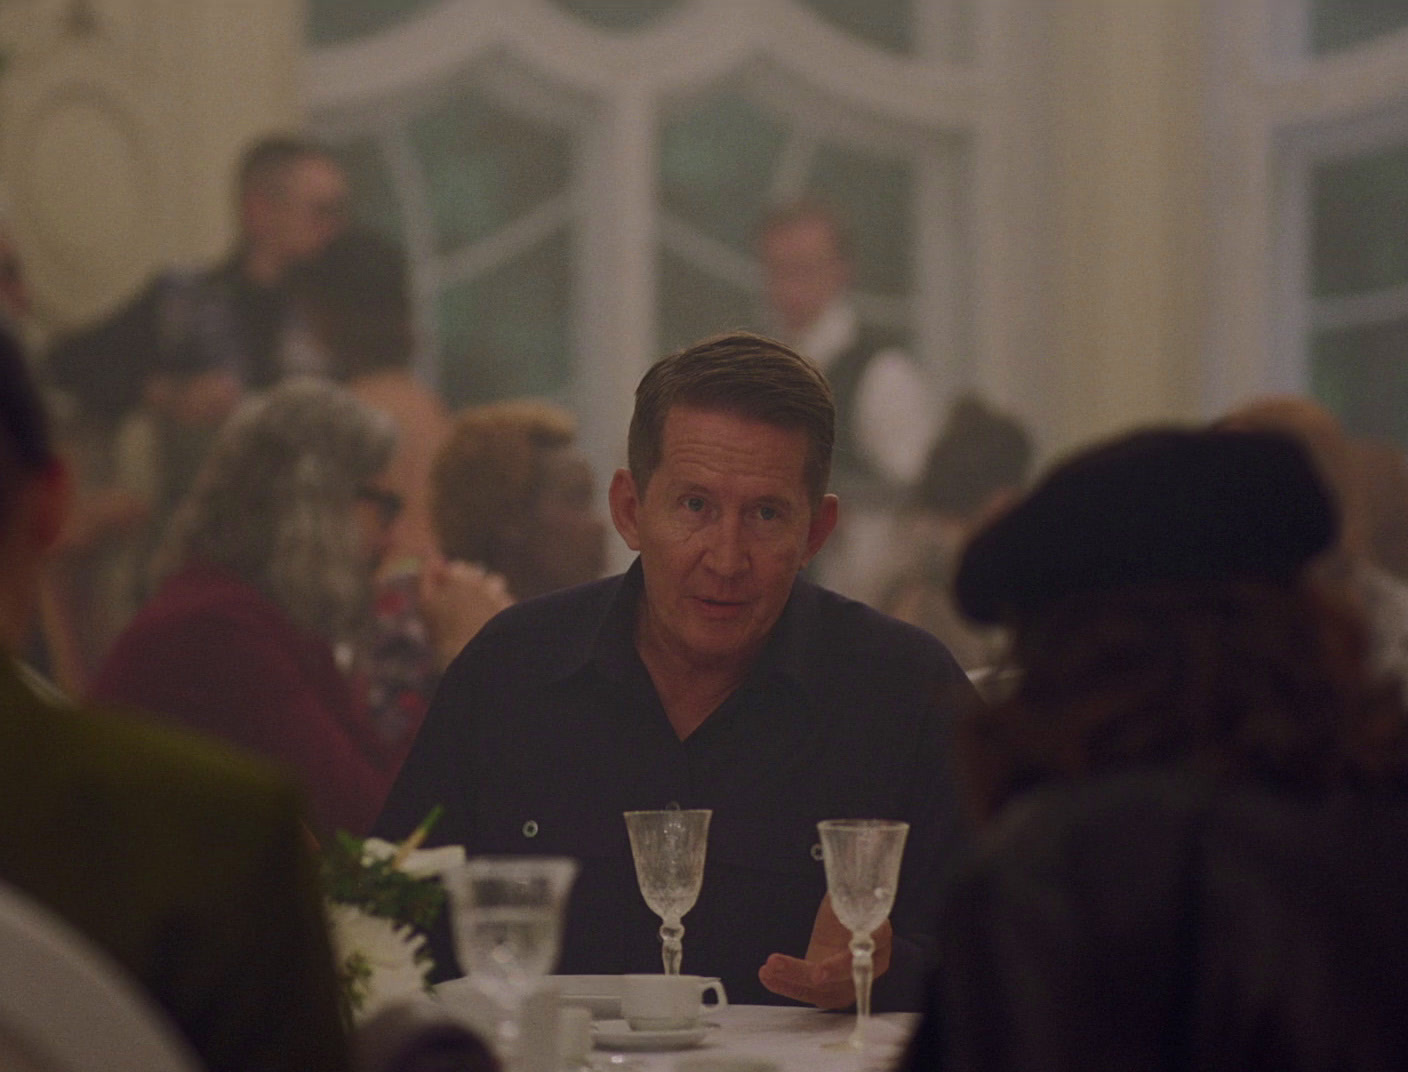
(744,375)
(274,500)
(489,473)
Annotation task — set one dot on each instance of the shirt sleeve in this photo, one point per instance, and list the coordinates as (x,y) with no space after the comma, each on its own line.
(895,415)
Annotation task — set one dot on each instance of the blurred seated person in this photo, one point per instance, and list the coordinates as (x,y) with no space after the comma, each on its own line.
(511,492)
(1197,796)
(354,297)
(514,509)
(1378,595)
(1383,473)
(187,863)
(267,581)
(975,469)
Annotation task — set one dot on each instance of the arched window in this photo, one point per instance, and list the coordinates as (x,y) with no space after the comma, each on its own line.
(578,181)
(1312,157)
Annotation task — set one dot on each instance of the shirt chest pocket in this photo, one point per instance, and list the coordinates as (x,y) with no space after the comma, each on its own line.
(543,814)
(785,846)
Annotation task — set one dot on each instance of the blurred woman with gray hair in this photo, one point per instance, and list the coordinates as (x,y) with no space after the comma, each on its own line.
(267,573)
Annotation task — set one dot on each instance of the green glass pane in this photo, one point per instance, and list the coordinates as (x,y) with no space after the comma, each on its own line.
(875,196)
(887,23)
(484,167)
(695,304)
(618,14)
(716,163)
(334,21)
(1360,220)
(505,335)
(374,200)
(1362,375)
(1341,24)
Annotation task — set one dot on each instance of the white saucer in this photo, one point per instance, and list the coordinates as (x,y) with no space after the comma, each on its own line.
(617,1035)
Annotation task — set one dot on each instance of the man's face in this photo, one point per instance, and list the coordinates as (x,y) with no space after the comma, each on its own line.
(374,511)
(803,270)
(723,526)
(299,215)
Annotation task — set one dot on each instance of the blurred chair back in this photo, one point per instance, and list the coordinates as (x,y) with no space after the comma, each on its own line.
(66,1007)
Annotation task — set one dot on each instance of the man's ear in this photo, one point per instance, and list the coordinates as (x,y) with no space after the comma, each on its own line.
(625,507)
(822,524)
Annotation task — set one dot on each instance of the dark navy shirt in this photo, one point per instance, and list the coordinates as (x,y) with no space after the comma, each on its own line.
(548,726)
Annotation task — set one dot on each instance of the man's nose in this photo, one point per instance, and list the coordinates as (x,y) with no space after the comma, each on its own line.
(728,547)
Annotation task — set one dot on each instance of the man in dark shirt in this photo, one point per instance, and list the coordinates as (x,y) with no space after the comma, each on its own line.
(707,676)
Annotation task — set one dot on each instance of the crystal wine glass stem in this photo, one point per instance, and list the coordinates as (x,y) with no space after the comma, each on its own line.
(671,948)
(863,973)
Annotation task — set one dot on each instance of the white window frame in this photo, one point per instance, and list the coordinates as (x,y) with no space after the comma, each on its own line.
(623,81)
(1275,113)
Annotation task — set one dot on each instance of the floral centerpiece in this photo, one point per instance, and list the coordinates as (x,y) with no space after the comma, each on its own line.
(381,898)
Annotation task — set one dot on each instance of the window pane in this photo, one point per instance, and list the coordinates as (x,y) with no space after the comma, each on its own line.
(887,23)
(1360,209)
(716,165)
(618,14)
(696,304)
(875,197)
(1362,374)
(373,192)
(331,21)
(484,167)
(1340,24)
(505,334)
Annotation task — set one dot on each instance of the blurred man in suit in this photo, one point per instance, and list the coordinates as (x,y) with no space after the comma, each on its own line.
(185,862)
(885,399)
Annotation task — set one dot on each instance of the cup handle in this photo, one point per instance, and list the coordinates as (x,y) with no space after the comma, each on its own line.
(717,986)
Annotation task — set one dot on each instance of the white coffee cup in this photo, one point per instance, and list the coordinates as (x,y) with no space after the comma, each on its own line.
(667,1002)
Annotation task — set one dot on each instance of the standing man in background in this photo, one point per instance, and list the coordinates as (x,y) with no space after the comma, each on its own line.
(885,404)
(150,384)
(291,201)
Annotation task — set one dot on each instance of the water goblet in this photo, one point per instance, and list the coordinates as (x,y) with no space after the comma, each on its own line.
(862,859)
(668,847)
(508,930)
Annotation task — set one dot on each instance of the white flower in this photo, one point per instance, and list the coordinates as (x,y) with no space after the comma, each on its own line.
(386,947)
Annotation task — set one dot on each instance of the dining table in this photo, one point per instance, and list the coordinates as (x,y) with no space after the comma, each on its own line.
(793,1039)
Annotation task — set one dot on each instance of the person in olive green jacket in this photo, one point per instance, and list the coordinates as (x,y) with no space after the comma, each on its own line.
(185,862)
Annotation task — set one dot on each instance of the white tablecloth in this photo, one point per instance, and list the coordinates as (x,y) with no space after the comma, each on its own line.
(791,1037)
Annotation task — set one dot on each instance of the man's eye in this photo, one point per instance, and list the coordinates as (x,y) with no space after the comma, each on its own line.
(768,513)
(693,503)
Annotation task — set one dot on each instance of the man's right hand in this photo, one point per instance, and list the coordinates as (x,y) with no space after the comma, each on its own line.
(457,599)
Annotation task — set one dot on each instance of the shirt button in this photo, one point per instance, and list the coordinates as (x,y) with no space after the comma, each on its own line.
(816,851)
(530,828)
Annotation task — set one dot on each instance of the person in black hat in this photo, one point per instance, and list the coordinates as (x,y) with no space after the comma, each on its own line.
(1196,800)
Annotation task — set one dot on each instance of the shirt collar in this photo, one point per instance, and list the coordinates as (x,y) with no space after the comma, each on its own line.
(611,645)
(831,334)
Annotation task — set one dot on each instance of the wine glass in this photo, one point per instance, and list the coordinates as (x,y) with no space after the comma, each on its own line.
(508,929)
(862,858)
(668,847)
